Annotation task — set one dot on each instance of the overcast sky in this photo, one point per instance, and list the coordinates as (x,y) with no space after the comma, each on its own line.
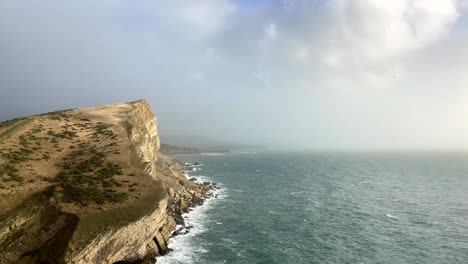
(357,74)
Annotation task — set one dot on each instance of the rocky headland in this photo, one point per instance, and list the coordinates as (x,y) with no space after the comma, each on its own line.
(90,186)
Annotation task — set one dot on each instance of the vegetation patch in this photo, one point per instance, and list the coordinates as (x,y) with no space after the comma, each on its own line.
(85,175)
(103,130)
(9,173)
(64,134)
(92,179)
(27,145)
(58,115)
(12,125)
(119,216)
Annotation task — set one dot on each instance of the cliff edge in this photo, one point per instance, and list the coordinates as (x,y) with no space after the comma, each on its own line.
(88,186)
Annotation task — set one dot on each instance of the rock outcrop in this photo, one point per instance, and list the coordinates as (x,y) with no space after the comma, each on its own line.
(89,186)
(141,127)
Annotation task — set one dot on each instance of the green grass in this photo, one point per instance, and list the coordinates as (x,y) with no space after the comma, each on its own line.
(12,125)
(91,225)
(102,129)
(58,115)
(13,158)
(9,173)
(64,134)
(91,179)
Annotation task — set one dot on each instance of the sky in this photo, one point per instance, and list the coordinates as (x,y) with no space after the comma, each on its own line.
(312,74)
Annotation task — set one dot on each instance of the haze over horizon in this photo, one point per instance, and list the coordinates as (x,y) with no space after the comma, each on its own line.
(364,74)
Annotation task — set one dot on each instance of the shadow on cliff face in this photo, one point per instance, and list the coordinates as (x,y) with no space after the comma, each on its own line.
(38,232)
(53,251)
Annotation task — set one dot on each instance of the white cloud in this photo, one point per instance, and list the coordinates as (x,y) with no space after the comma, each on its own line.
(332,60)
(381,29)
(271,31)
(197,77)
(335,73)
(193,18)
(371,40)
(206,16)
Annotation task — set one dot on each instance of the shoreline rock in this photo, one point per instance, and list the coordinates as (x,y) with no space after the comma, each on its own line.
(109,197)
(182,204)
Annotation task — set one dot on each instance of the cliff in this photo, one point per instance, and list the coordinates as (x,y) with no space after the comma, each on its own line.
(88,186)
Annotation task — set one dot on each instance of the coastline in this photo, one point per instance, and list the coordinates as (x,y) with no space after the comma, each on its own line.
(190,219)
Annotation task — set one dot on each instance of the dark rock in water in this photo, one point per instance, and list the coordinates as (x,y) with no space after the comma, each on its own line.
(189,227)
(196,164)
(179,220)
(179,231)
(197,201)
(149,259)
(206,183)
(214,183)
(187,168)
(216,196)
(217,187)
(193,179)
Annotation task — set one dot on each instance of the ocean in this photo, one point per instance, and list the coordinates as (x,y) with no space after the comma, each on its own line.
(329,208)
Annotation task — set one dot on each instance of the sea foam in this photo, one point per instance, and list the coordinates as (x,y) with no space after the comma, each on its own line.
(185,248)
(391,216)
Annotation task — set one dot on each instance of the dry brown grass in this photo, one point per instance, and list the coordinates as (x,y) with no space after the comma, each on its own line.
(82,154)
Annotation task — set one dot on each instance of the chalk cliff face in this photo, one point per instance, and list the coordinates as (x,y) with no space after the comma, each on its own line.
(142,129)
(136,241)
(88,186)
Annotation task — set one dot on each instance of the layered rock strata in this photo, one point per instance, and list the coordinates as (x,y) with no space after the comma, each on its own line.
(89,186)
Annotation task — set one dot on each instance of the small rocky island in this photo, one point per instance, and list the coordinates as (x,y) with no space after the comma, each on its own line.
(90,186)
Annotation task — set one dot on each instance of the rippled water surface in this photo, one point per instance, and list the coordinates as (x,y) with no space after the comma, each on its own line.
(330,208)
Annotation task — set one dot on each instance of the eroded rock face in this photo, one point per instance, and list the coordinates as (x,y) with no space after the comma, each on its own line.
(133,242)
(44,228)
(142,130)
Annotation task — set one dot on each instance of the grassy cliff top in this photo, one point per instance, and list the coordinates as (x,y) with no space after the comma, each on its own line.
(82,157)
(68,177)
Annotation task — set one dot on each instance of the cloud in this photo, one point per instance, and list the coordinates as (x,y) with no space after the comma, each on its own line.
(271,31)
(329,74)
(381,29)
(199,19)
(197,77)
(362,36)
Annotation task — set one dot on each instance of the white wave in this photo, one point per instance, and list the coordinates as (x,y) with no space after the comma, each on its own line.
(297,192)
(391,216)
(198,178)
(229,241)
(213,154)
(185,249)
(274,212)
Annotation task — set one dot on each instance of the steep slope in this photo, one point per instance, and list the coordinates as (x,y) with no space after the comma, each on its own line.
(86,186)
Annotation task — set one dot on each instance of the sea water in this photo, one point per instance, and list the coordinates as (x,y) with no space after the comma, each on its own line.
(329,208)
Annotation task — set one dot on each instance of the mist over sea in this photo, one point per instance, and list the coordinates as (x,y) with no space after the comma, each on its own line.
(329,208)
